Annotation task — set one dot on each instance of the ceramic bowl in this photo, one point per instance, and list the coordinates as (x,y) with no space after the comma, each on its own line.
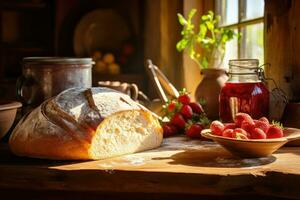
(253,148)
(8,110)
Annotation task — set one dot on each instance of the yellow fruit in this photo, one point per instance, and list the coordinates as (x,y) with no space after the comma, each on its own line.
(100,67)
(96,55)
(114,68)
(109,58)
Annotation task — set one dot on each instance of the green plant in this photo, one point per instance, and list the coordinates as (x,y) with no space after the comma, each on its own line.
(206,44)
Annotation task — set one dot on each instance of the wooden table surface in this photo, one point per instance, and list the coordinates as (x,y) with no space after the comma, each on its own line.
(180,166)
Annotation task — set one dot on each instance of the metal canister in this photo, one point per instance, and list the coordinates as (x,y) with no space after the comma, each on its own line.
(45,77)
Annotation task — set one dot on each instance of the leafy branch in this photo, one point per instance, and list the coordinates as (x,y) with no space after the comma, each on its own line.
(210,39)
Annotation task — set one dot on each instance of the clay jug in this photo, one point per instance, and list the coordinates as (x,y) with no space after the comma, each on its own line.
(209,90)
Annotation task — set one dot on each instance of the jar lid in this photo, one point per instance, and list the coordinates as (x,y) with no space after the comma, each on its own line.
(57,60)
(244,63)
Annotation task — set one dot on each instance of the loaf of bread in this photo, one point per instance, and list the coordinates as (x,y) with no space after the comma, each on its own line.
(84,124)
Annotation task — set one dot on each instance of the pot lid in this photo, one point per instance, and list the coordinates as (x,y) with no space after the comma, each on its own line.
(57,60)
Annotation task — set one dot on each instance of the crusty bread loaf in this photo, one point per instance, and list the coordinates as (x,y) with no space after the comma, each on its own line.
(83,124)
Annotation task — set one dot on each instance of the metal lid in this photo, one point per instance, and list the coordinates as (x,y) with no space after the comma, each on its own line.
(244,63)
(57,60)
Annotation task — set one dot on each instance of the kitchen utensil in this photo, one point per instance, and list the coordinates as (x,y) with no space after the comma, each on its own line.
(8,110)
(44,77)
(253,148)
(161,82)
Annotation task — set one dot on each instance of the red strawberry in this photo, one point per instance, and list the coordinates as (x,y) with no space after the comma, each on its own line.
(247,126)
(186,111)
(194,131)
(216,127)
(240,117)
(264,119)
(229,126)
(169,129)
(184,99)
(171,106)
(257,133)
(239,133)
(274,132)
(178,121)
(196,107)
(227,133)
(262,125)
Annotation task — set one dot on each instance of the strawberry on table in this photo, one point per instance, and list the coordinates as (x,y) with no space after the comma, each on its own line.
(169,129)
(184,99)
(194,131)
(257,133)
(171,107)
(196,107)
(186,111)
(240,117)
(227,133)
(274,132)
(178,121)
(217,127)
(183,115)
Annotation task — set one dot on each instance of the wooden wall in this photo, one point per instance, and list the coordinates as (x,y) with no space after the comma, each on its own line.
(162,32)
(282,44)
(191,71)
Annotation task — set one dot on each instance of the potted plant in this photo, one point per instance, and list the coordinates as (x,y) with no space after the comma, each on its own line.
(207,48)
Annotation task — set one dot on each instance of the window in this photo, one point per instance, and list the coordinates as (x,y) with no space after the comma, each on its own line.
(246,17)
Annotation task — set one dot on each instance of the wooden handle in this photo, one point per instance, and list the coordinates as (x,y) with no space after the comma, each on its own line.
(162,82)
(157,83)
(166,83)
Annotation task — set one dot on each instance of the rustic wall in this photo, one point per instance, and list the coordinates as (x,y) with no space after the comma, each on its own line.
(191,71)
(161,34)
(282,44)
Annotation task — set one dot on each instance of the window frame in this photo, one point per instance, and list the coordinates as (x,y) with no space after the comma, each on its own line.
(241,23)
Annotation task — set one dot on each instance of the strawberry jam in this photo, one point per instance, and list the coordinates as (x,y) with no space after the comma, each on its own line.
(243,92)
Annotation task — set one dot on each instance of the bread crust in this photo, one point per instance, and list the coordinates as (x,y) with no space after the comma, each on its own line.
(62,128)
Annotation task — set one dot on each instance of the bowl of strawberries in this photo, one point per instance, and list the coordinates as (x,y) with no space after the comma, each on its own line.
(250,138)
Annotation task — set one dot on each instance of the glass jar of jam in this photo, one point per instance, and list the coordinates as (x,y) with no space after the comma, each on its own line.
(244,91)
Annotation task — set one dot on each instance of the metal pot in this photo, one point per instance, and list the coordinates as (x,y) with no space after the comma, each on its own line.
(44,77)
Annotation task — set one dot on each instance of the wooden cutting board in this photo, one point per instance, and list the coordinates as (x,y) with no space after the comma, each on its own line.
(180,165)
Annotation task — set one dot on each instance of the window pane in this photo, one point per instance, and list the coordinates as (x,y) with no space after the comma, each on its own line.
(251,9)
(228,10)
(252,42)
(231,51)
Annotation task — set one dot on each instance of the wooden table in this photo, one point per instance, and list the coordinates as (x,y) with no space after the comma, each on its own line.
(179,169)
